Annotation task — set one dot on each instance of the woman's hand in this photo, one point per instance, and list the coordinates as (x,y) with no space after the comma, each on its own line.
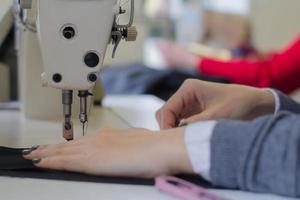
(199,101)
(177,57)
(112,152)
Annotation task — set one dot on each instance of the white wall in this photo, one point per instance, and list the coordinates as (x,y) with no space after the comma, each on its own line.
(6,18)
(240,7)
(275,22)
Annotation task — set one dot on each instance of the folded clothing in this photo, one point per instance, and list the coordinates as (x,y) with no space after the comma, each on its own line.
(139,79)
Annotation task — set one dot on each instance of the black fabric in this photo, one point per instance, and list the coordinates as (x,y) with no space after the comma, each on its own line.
(139,79)
(12,164)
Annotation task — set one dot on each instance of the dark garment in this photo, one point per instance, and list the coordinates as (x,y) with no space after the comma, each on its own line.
(14,165)
(139,79)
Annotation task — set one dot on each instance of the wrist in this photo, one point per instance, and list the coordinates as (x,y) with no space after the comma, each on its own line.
(190,60)
(265,102)
(194,61)
(174,153)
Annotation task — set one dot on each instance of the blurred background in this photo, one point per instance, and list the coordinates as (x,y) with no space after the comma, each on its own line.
(218,28)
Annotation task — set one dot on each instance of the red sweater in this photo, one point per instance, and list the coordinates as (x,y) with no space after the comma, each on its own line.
(280,71)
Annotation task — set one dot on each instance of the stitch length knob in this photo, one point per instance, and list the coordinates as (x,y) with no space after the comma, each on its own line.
(131,34)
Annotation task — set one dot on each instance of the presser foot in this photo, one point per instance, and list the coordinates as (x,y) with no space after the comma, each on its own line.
(68,133)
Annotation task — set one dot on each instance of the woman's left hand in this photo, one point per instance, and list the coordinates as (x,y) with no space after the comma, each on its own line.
(114,152)
(177,57)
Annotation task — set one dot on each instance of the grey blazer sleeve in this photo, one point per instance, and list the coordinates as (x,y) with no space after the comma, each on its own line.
(258,156)
(287,104)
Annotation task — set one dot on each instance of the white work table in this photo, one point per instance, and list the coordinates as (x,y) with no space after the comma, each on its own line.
(6,18)
(138,111)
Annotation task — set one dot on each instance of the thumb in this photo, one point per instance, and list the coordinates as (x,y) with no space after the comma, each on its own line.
(205,116)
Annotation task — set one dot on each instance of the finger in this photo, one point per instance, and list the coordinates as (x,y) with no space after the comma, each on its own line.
(167,119)
(205,116)
(51,149)
(73,163)
(183,101)
(160,117)
(69,143)
(157,116)
(37,148)
(168,115)
(50,152)
(159,120)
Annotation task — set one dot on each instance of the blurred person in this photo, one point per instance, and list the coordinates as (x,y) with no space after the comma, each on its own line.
(280,70)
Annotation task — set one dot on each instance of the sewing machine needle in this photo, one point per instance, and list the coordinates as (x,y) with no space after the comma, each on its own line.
(83,129)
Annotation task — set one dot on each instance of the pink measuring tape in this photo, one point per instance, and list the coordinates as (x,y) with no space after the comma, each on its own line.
(182,189)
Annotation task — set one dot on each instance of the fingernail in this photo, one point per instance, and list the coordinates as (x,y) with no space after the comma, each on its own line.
(26,152)
(33,148)
(36,161)
(182,123)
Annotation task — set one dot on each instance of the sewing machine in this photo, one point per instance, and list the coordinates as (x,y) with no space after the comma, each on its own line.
(45,103)
(69,40)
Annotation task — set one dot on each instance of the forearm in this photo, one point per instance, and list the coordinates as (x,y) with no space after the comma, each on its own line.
(270,72)
(259,156)
(264,103)
(198,135)
(272,101)
(267,102)
(237,71)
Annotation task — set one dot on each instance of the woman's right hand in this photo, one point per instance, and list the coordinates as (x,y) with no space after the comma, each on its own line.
(116,152)
(201,101)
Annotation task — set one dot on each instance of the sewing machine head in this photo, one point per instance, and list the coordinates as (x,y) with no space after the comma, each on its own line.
(73,37)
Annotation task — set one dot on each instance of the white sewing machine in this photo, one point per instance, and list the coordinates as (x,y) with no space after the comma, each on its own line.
(67,40)
(44,102)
